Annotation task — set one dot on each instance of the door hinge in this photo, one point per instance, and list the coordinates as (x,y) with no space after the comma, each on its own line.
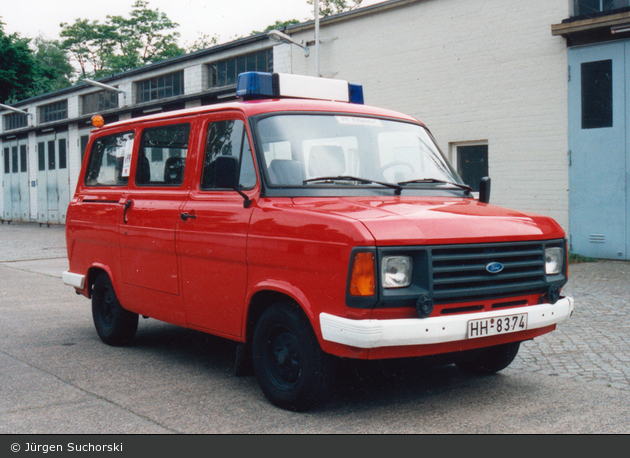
(569,154)
(568,73)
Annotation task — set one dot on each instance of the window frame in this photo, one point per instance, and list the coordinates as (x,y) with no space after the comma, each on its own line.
(140,154)
(124,179)
(597,94)
(14,121)
(53,111)
(99,101)
(223,73)
(245,136)
(603,7)
(454,158)
(158,88)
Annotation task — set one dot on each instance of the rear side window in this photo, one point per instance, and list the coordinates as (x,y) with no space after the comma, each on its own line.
(228,138)
(162,155)
(109,160)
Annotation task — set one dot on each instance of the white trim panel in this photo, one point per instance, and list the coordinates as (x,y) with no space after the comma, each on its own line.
(309,87)
(76,280)
(423,331)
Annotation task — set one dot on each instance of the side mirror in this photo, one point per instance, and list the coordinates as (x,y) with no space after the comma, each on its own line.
(226,169)
(484,190)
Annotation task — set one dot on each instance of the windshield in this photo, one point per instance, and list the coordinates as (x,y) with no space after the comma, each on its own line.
(349,151)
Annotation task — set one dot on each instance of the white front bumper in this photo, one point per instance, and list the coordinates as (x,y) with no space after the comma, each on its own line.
(422,331)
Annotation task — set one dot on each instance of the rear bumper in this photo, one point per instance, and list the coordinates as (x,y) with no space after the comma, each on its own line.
(424,331)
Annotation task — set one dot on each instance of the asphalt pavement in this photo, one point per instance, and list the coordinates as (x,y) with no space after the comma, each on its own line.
(56,377)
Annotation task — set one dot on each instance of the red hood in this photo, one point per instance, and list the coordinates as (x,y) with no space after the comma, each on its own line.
(434,221)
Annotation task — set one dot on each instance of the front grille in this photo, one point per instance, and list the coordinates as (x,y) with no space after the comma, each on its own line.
(458,273)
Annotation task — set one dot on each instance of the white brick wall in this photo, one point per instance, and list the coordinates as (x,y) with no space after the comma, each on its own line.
(195,79)
(486,70)
(282,58)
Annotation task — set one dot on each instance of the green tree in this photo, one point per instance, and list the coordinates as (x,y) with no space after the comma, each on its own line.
(277,25)
(89,43)
(121,43)
(31,67)
(54,70)
(144,38)
(203,41)
(326,8)
(330,7)
(17,67)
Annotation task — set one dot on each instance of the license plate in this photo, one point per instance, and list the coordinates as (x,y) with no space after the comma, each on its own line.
(497,325)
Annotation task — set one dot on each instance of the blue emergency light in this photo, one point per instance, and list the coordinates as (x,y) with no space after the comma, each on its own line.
(260,85)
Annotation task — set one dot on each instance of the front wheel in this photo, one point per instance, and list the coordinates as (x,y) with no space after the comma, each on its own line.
(490,360)
(114,325)
(291,369)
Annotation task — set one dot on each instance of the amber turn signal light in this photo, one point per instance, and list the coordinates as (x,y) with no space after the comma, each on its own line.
(363,277)
(98,121)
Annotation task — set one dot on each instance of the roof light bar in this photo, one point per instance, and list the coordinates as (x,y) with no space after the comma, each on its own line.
(260,85)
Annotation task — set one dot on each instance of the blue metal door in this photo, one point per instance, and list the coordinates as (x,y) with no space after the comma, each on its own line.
(598,207)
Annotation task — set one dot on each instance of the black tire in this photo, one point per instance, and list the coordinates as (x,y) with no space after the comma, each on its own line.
(291,368)
(490,360)
(114,325)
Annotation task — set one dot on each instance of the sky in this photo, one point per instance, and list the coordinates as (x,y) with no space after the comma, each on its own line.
(229,19)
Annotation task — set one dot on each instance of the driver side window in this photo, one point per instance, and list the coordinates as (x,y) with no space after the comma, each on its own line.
(228,138)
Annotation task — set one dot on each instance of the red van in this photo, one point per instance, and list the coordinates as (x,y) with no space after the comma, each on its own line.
(309,231)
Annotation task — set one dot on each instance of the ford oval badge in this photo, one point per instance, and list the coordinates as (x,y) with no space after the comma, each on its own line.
(494,267)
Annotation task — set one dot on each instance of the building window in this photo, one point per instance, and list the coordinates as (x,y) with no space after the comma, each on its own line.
(160,87)
(53,111)
(597,94)
(14,157)
(584,7)
(15,121)
(99,102)
(52,164)
(472,164)
(7,161)
(225,72)
(41,156)
(63,158)
(23,159)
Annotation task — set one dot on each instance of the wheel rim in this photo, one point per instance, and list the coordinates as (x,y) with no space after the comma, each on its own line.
(283,359)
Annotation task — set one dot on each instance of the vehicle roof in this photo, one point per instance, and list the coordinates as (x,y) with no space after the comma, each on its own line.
(256,107)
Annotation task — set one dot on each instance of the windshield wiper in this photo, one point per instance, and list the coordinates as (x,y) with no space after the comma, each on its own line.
(435,180)
(397,188)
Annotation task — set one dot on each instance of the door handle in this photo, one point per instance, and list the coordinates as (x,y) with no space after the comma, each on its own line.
(128,205)
(185,216)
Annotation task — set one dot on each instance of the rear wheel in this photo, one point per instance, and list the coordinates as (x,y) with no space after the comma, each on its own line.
(291,369)
(490,360)
(114,325)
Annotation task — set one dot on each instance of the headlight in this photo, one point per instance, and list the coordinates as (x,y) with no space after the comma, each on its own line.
(396,271)
(554,260)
